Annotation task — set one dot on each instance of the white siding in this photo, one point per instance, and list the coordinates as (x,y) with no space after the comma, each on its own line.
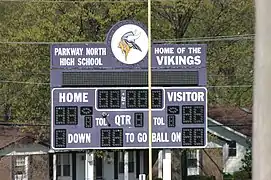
(233,164)
(194,170)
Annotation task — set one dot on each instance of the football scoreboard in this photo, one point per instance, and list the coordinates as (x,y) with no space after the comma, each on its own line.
(99,94)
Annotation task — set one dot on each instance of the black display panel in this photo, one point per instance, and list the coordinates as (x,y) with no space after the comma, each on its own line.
(87,110)
(60,138)
(135,99)
(109,99)
(138,99)
(111,137)
(139,120)
(88,122)
(193,114)
(193,137)
(66,115)
(125,79)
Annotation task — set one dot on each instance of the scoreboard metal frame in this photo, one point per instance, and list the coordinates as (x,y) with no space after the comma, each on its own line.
(112,72)
(96,112)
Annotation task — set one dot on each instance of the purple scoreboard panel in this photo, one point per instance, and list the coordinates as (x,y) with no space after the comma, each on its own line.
(99,94)
(99,118)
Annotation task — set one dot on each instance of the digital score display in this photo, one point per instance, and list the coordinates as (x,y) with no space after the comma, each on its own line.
(117,118)
(134,99)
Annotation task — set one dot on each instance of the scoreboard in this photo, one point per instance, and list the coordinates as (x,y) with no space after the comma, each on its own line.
(99,100)
(118,117)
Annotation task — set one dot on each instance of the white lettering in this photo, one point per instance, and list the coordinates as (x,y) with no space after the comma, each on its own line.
(180,50)
(142,137)
(178,60)
(160,137)
(73,97)
(89,62)
(176,137)
(95,51)
(69,51)
(194,50)
(130,137)
(61,97)
(66,61)
(185,96)
(158,121)
(79,138)
(121,120)
(165,50)
(101,122)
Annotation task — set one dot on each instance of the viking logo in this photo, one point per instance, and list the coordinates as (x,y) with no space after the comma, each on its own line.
(127,43)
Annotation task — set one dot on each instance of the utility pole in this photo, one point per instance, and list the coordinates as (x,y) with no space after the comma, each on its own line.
(149,89)
(261,169)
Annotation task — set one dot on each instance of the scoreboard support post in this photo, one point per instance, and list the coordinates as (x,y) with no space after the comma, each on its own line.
(126,167)
(167,163)
(261,144)
(103,99)
(160,163)
(89,165)
(149,89)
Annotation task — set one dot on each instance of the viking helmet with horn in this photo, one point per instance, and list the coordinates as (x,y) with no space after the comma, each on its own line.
(127,43)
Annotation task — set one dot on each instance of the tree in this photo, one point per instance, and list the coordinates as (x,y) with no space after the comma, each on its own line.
(247,160)
(25,67)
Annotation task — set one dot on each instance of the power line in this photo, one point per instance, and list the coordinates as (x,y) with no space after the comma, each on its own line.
(25,82)
(231,86)
(158,42)
(188,39)
(48,73)
(33,125)
(209,37)
(44,83)
(78,1)
(90,1)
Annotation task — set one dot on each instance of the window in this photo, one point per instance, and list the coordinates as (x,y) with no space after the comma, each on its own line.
(63,164)
(130,162)
(20,167)
(232,149)
(192,159)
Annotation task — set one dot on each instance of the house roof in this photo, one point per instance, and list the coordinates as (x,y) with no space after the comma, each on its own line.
(236,118)
(11,134)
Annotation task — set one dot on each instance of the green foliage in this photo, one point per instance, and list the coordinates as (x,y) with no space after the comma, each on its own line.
(247,161)
(244,175)
(227,176)
(25,68)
